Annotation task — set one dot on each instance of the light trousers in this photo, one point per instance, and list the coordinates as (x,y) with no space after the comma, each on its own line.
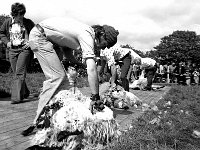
(52,68)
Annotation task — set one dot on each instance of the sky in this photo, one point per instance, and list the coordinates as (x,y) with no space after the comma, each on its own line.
(141,23)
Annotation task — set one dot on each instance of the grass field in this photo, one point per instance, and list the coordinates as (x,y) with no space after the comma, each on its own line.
(169,127)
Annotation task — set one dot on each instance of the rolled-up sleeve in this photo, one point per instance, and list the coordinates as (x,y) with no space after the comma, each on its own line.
(86,41)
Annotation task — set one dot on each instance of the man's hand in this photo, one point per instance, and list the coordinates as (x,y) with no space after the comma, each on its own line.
(9,45)
(26,46)
(96,104)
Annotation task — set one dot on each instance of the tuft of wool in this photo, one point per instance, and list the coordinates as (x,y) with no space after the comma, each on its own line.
(119,98)
(74,115)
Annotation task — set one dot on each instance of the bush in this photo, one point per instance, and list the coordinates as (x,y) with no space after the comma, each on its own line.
(4,94)
(4,66)
(34,82)
(34,67)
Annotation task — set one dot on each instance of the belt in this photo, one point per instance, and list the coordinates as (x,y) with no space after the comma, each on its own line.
(16,47)
(40,29)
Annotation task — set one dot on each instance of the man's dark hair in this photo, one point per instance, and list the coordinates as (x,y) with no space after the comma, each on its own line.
(17,8)
(109,33)
(99,30)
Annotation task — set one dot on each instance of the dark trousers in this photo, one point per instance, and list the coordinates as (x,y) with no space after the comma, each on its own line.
(103,66)
(149,74)
(181,79)
(19,60)
(124,71)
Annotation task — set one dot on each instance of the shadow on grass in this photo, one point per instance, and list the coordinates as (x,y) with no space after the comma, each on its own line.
(32,97)
(5,96)
(29,100)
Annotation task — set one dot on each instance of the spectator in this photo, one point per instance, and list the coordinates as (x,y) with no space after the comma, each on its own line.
(196,76)
(194,66)
(172,76)
(158,74)
(15,34)
(70,35)
(188,73)
(162,72)
(165,72)
(180,73)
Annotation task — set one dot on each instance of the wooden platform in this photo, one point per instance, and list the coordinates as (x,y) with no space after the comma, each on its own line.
(16,118)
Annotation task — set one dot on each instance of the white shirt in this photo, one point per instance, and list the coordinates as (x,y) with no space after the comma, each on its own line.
(71,33)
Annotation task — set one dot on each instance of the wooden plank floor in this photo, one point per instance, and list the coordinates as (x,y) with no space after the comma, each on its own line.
(16,118)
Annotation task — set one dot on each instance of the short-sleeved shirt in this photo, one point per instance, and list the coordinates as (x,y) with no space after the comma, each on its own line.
(67,32)
(116,53)
(17,33)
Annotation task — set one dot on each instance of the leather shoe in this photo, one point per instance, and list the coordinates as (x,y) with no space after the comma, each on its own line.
(38,147)
(28,131)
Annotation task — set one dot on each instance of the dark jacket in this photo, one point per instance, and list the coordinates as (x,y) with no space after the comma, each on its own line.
(180,70)
(4,30)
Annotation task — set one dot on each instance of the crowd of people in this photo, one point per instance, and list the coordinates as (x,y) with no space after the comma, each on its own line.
(184,73)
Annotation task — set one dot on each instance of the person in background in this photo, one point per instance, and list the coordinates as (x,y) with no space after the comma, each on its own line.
(194,66)
(180,73)
(196,75)
(132,73)
(117,56)
(157,78)
(149,67)
(189,69)
(162,72)
(15,34)
(71,35)
(172,76)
